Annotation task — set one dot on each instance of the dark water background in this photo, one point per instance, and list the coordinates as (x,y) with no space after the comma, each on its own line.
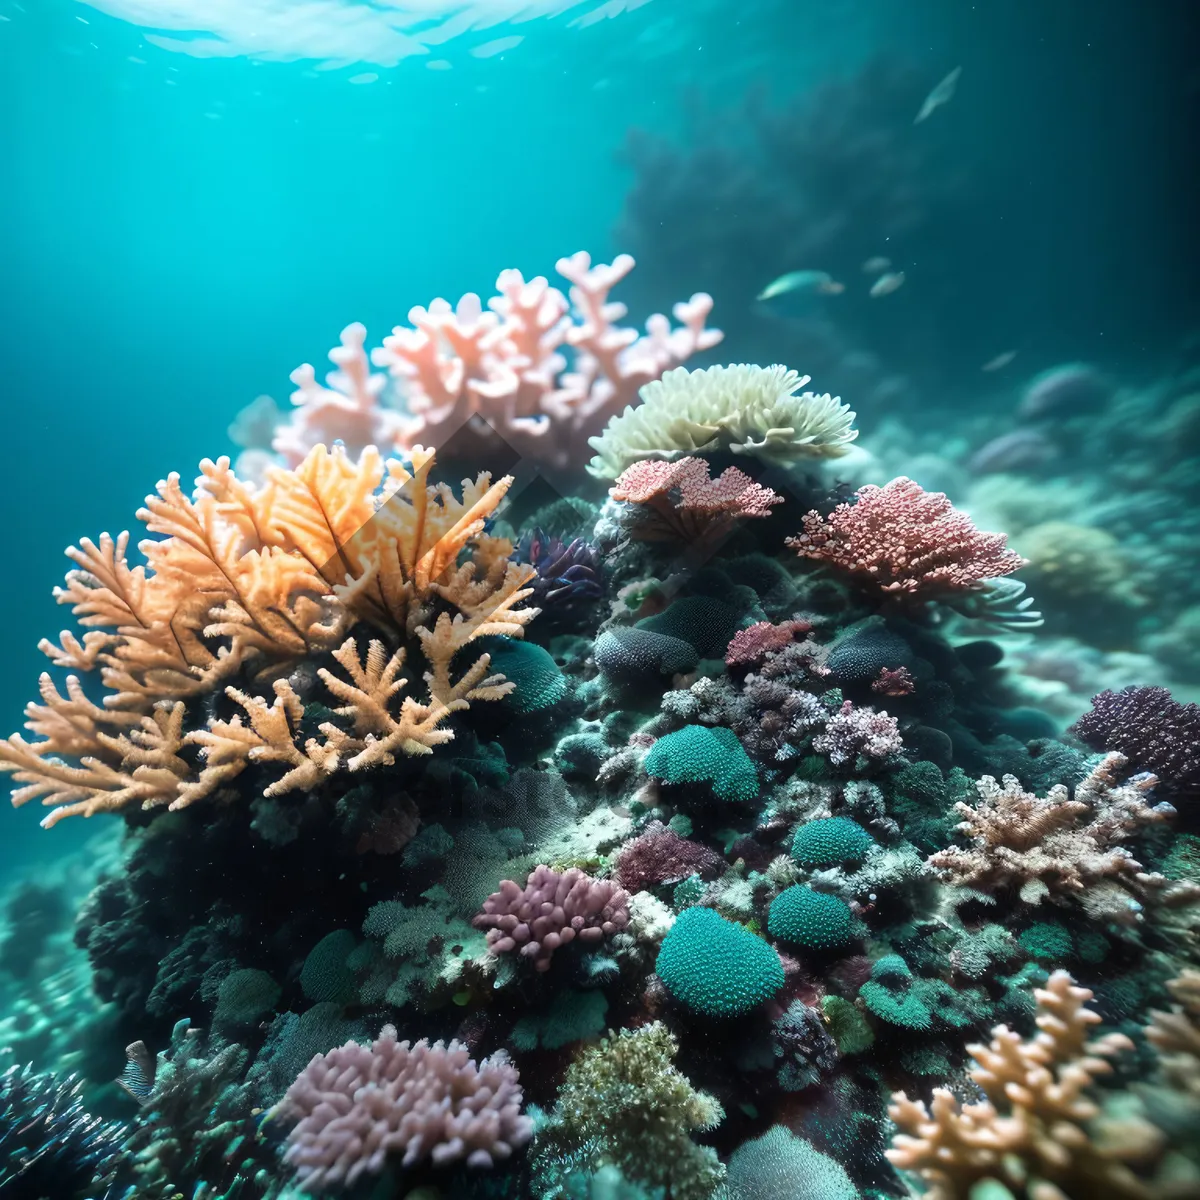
(177,234)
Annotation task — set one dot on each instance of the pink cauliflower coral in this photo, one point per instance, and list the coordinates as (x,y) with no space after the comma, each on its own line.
(356,1105)
(551,910)
(903,539)
(679,501)
(750,646)
(853,731)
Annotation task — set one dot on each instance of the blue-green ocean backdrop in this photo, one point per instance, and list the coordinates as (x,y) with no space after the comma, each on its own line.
(178,232)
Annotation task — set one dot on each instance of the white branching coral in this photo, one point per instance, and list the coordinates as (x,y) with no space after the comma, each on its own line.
(746,409)
(1057,847)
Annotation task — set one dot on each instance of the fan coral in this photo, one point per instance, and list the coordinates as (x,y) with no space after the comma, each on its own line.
(358,1104)
(746,409)
(1029,1132)
(901,539)
(624,1103)
(253,580)
(467,372)
(678,501)
(1152,729)
(551,910)
(1058,847)
(852,732)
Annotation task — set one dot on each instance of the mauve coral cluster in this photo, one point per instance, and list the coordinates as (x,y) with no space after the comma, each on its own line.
(858,731)
(358,1104)
(750,646)
(679,501)
(902,539)
(1152,729)
(551,910)
(660,855)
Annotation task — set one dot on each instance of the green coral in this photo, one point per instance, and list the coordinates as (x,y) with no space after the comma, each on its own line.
(717,967)
(704,622)
(571,1017)
(746,409)
(325,976)
(244,998)
(699,754)
(1049,941)
(814,920)
(539,684)
(847,1025)
(624,1104)
(891,995)
(831,841)
(781,1166)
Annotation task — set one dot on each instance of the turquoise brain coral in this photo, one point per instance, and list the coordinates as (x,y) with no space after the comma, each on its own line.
(813,920)
(538,683)
(716,967)
(700,754)
(831,841)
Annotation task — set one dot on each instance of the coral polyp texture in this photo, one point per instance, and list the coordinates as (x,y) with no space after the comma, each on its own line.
(745,409)
(760,872)
(902,539)
(357,1105)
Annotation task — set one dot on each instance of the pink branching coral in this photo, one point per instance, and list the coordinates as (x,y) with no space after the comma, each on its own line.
(470,372)
(1057,847)
(357,1105)
(902,539)
(679,501)
(551,910)
(1030,1130)
(853,731)
(660,855)
(748,647)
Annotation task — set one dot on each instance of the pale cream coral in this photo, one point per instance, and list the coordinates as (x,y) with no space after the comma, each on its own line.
(1030,1131)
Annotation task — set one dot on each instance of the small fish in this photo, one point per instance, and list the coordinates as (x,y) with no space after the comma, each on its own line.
(876,265)
(999,362)
(886,284)
(802,281)
(942,94)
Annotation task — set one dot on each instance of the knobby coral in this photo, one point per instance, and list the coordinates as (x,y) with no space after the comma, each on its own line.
(678,501)
(1057,847)
(1151,728)
(902,539)
(244,582)
(551,910)
(1029,1132)
(745,409)
(357,1104)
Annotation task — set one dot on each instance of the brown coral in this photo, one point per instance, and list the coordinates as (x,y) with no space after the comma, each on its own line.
(243,582)
(1030,1132)
(1058,847)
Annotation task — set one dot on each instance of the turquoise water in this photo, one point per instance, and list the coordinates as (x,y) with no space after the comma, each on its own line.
(198,196)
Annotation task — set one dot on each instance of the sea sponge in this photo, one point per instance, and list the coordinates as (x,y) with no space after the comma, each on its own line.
(781,1166)
(699,754)
(716,967)
(829,841)
(746,409)
(814,920)
(641,656)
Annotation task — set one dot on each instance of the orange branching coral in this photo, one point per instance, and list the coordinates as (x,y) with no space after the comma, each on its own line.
(1030,1132)
(242,582)
(1058,847)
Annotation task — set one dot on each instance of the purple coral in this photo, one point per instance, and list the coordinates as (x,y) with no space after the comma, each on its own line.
(551,910)
(660,855)
(1152,729)
(567,572)
(853,731)
(358,1104)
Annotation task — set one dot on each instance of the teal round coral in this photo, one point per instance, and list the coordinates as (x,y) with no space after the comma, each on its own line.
(831,841)
(699,754)
(813,920)
(716,967)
